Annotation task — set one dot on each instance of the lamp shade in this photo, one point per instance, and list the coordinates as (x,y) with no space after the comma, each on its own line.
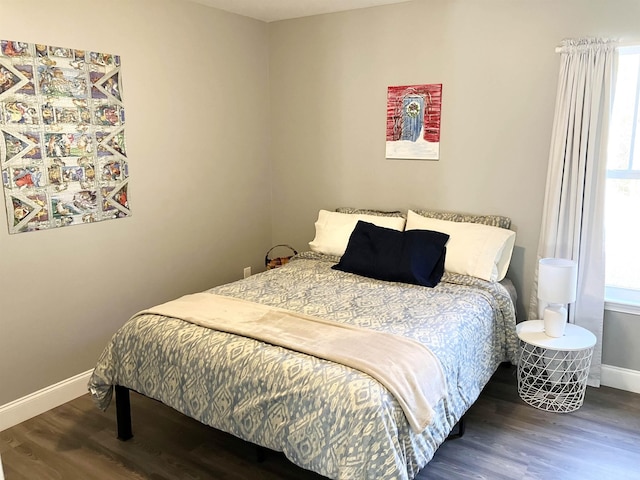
(557,280)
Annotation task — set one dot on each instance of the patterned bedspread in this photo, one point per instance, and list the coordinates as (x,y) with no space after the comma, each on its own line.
(325,417)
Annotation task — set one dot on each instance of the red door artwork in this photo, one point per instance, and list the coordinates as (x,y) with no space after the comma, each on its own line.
(413,122)
(63,158)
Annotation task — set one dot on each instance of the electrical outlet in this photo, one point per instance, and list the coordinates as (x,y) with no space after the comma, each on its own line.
(247,272)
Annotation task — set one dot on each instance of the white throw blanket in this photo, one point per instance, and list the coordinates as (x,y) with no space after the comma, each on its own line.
(408,369)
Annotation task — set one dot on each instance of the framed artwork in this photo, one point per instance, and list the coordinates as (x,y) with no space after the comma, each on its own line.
(413,122)
(63,158)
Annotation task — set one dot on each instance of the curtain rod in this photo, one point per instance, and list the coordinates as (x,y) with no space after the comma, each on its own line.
(619,45)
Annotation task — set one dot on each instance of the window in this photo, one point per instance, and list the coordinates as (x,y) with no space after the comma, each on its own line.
(622,203)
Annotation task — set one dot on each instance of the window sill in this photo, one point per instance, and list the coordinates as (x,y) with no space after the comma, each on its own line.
(623,300)
(616,306)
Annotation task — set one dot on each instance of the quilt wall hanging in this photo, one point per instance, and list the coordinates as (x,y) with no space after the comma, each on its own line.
(62,143)
(413,122)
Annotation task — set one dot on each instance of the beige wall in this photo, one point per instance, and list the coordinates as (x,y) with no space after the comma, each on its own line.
(620,340)
(496,61)
(196,97)
(200,186)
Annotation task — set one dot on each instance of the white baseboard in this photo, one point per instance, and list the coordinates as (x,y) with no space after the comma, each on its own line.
(39,402)
(621,378)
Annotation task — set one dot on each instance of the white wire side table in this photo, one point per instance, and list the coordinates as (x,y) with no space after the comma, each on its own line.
(553,372)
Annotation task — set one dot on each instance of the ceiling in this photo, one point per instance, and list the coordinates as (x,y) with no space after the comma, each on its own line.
(274,10)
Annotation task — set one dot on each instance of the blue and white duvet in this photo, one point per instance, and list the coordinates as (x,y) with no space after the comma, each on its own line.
(324,416)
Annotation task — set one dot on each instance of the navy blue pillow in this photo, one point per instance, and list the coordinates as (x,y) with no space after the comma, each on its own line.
(413,256)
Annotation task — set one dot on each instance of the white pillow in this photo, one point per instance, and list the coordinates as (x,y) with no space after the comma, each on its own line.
(473,249)
(333,229)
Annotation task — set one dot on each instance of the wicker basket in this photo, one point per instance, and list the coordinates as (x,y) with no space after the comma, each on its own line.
(278,261)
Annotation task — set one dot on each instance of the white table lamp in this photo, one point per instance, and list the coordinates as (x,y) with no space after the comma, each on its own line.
(557,286)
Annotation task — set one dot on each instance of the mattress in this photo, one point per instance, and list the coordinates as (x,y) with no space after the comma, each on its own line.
(324,416)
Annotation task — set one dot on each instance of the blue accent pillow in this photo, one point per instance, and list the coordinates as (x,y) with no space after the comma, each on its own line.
(412,256)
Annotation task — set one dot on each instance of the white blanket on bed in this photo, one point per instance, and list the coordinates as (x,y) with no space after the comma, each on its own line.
(408,369)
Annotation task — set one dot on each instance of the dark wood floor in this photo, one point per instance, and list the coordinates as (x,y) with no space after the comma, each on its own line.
(505,439)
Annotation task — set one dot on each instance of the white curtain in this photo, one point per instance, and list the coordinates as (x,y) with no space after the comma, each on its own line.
(572,221)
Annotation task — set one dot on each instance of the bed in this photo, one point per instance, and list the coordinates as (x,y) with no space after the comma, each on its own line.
(324,416)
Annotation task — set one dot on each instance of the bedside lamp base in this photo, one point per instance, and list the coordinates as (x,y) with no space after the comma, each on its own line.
(555,320)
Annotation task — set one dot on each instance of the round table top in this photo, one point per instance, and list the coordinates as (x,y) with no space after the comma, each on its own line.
(574,338)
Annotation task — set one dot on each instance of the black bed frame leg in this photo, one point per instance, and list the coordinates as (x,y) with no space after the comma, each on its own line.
(453,435)
(123,413)
(261,453)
